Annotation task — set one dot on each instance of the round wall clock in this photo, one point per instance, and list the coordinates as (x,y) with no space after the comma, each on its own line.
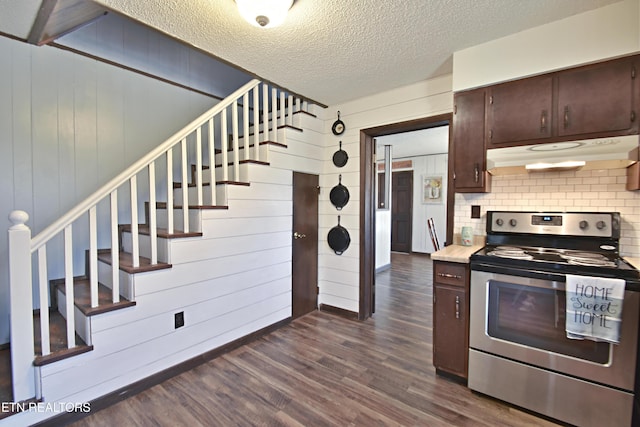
(338,126)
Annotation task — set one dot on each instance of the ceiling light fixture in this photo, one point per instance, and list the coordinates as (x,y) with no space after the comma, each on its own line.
(264,13)
(560,166)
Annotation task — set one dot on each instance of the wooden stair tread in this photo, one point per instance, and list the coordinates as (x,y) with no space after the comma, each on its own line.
(82,297)
(126,262)
(206,184)
(163,205)
(144,229)
(58,340)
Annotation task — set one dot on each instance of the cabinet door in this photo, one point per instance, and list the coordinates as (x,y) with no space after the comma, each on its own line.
(450,330)
(520,111)
(469,156)
(597,98)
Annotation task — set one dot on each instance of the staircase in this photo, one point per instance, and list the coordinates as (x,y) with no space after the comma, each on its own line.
(104,281)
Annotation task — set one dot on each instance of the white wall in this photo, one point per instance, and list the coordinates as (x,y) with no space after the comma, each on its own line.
(69,124)
(592,36)
(383,238)
(435,165)
(339,275)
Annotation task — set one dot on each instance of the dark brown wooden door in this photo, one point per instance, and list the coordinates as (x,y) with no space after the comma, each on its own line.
(520,111)
(469,158)
(401,211)
(597,98)
(305,244)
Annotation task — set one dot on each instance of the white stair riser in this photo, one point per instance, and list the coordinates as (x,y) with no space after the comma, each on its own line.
(126,280)
(82,322)
(244,174)
(145,246)
(194,219)
(221,197)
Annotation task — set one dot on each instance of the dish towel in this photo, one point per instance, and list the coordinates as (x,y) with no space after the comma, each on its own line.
(594,308)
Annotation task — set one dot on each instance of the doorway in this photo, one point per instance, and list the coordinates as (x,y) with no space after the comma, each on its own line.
(304,246)
(368,205)
(401,211)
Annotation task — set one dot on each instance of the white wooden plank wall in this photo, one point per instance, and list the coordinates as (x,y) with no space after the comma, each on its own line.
(234,280)
(70,124)
(338,275)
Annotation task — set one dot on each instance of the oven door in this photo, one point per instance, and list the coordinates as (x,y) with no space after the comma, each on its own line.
(523,319)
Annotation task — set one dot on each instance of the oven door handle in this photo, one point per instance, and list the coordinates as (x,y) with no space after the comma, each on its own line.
(545,280)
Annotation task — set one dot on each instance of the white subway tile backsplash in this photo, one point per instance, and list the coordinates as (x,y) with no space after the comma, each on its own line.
(579,191)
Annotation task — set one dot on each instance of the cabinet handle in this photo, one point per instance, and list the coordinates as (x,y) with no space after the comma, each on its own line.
(449,276)
(457,307)
(543,121)
(633,116)
(476,172)
(566,116)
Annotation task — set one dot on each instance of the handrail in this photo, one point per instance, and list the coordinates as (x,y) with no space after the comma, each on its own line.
(45,235)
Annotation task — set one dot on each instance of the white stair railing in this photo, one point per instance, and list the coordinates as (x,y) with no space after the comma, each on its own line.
(160,168)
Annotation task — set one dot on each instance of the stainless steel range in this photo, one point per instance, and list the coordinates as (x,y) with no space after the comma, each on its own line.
(519,350)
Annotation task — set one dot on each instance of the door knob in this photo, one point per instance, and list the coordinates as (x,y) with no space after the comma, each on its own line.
(297,235)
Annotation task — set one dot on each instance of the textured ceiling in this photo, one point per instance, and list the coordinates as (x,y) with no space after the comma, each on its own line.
(333,51)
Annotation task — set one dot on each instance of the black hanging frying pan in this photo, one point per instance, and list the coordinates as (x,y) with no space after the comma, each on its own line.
(339,195)
(340,157)
(338,238)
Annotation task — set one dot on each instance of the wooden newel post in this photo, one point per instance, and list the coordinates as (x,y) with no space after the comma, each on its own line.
(21,308)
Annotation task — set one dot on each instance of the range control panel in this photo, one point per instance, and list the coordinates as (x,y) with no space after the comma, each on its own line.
(583,224)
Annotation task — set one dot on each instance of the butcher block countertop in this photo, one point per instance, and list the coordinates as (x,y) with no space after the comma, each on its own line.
(455,253)
(635,262)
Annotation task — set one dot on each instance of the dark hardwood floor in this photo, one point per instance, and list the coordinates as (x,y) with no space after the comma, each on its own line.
(325,370)
(6,392)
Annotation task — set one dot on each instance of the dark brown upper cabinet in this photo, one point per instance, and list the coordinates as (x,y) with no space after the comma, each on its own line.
(598,99)
(520,111)
(592,101)
(469,153)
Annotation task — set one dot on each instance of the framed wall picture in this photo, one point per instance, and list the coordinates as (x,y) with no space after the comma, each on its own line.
(432,189)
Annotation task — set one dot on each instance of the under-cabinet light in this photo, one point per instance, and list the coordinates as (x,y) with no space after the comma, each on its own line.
(568,165)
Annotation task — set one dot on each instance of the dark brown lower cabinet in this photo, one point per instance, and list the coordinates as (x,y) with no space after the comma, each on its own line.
(451,318)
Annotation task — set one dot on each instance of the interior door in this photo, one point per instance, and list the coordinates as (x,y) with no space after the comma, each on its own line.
(304,244)
(401,211)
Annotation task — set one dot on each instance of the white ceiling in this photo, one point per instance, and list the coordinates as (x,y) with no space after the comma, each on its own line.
(333,51)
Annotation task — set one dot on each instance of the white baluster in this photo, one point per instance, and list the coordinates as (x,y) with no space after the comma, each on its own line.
(21,308)
(153,225)
(135,236)
(185,188)
(236,145)
(289,117)
(93,257)
(282,110)
(298,105)
(115,249)
(44,300)
(170,191)
(68,286)
(245,125)
(199,166)
(256,123)
(224,146)
(212,162)
(265,111)
(274,115)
